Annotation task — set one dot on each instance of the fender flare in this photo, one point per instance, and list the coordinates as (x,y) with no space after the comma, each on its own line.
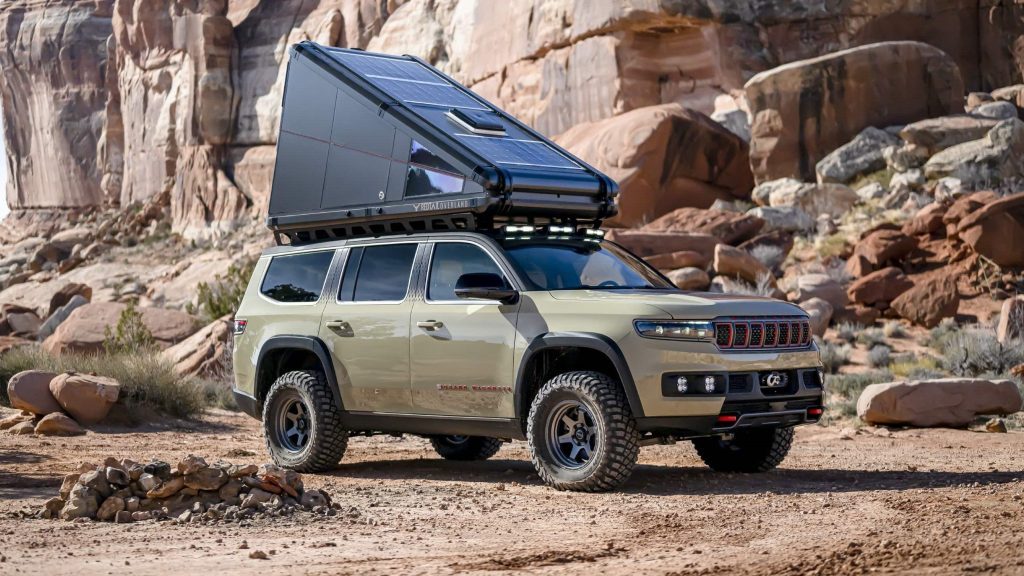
(597,342)
(306,343)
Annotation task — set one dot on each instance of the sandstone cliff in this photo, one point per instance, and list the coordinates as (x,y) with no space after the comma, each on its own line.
(118,101)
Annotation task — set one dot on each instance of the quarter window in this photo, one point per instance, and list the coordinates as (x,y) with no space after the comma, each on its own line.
(429,174)
(296,277)
(383,272)
(453,259)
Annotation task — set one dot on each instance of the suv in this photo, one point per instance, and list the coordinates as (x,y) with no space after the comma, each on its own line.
(557,337)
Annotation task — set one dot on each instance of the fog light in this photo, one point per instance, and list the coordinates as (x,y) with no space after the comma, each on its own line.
(681,385)
(709,384)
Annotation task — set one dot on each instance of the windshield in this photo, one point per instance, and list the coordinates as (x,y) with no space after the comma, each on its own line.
(577,265)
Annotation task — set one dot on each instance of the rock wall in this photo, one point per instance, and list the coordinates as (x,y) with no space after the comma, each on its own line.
(116,101)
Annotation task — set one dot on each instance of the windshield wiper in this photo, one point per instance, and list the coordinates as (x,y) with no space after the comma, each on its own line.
(588,287)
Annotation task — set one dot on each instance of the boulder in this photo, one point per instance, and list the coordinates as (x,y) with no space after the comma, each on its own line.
(729,227)
(763,192)
(1011,319)
(804,110)
(998,110)
(735,262)
(663,157)
(996,231)
(58,424)
(84,330)
(66,294)
(881,246)
(832,199)
(208,478)
(927,221)
(643,243)
(862,155)
(689,278)
(23,428)
(820,313)
(944,402)
(929,301)
(872,191)
(19,321)
(86,398)
(883,285)
(822,286)
(60,315)
(911,180)
(29,390)
(109,509)
(784,218)
(937,134)
(676,260)
(82,502)
(996,158)
(905,157)
(202,354)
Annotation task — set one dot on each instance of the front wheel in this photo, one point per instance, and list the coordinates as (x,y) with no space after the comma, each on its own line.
(582,434)
(465,447)
(302,423)
(757,450)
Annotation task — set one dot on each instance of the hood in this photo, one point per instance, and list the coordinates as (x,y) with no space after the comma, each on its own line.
(688,305)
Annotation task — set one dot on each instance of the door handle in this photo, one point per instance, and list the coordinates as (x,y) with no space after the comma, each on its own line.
(430,325)
(340,326)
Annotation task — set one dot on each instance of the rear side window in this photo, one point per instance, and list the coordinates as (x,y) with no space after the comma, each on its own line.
(297,277)
(378,273)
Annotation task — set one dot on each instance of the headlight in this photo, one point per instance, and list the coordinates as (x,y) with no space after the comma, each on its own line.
(675,330)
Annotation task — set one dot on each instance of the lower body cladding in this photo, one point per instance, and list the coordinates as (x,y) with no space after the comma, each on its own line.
(741,400)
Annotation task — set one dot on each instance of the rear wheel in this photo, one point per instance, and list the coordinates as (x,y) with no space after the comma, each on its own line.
(465,447)
(757,450)
(582,434)
(302,423)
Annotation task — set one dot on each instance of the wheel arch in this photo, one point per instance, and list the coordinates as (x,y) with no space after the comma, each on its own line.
(282,354)
(546,354)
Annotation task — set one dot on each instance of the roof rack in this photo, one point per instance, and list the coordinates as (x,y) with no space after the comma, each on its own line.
(373,144)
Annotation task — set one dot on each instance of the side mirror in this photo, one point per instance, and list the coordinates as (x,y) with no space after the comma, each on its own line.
(485,286)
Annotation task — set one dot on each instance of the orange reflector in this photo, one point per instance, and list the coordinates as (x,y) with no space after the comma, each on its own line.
(727,419)
(815,411)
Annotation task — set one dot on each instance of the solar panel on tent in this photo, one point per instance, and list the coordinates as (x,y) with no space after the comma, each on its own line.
(413,83)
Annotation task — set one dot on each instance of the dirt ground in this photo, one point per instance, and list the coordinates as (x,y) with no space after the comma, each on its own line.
(880,501)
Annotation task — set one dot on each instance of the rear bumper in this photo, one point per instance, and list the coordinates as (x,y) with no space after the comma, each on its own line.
(246,403)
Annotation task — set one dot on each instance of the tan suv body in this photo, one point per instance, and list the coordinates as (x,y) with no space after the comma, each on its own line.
(400,345)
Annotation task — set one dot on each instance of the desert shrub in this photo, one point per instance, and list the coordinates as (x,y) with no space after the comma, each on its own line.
(147,381)
(883,177)
(831,245)
(894,329)
(130,336)
(871,337)
(915,367)
(880,357)
(771,256)
(222,296)
(833,356)
(848,331)
(763,288)
(977,352)
(844,390)
(937,336)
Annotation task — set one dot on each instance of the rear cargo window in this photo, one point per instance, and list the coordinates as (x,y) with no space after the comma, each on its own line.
(297,277)
(383,273)
(429,174)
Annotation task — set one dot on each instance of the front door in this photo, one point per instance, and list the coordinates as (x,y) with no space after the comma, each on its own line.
(367,328)
(462,350)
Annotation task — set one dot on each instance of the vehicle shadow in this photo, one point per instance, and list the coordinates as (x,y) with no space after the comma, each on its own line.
(14,486)
(673,480)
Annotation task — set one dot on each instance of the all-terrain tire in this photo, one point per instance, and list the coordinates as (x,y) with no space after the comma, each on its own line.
(325,440)
(757,450)
(616,440)
(465,447)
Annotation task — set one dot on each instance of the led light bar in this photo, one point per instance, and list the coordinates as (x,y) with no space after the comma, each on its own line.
(514,229)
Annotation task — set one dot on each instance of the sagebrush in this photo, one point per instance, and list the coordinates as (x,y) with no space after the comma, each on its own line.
(222,296)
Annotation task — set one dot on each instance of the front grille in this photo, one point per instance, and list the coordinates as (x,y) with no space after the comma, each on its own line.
(762,333)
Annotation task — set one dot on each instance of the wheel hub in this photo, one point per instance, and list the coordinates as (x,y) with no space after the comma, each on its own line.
(572,434)
(293,425)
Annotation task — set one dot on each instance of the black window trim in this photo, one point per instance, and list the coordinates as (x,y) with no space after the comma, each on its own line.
(413,276)
(323,287)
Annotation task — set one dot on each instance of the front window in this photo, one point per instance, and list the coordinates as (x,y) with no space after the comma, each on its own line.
(578,265)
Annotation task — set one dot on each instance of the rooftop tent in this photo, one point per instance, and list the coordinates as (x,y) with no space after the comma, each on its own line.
(375,144)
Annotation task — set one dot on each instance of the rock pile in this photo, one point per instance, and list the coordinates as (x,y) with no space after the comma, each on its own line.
(192,491)
(58,404)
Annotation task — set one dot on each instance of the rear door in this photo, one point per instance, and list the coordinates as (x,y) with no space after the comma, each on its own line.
(462,350)
(366,327)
